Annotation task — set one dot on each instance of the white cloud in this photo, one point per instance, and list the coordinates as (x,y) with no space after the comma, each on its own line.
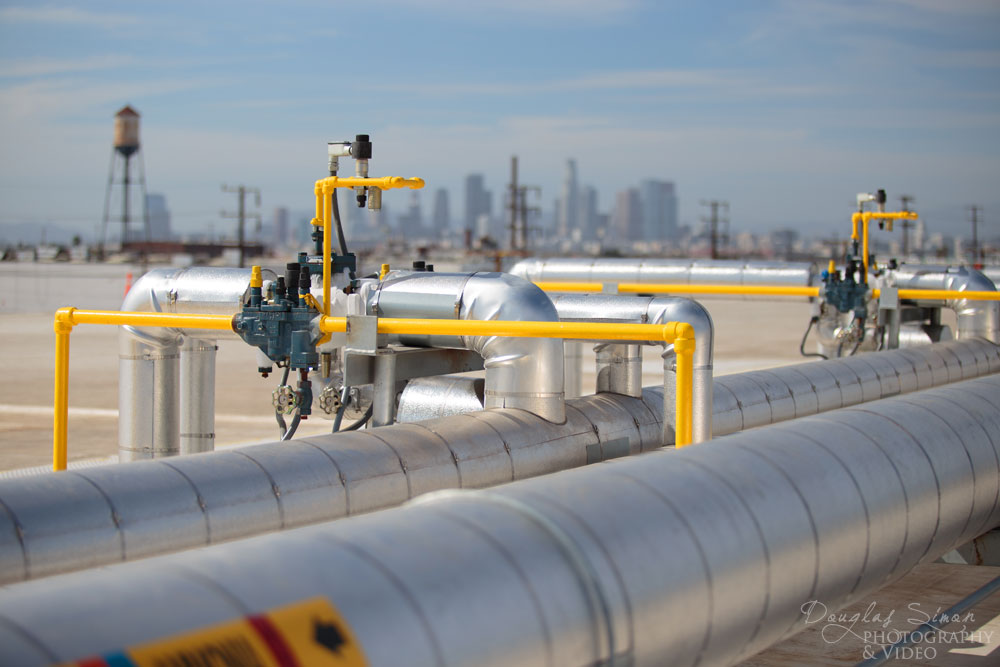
(566,10)
(728,82)
(65,15)
(29,67)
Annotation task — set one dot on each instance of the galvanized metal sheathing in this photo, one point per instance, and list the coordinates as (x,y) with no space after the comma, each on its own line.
(83,518)
(166,377)
(699,556)
(524,373)
(655,270)
(974,318)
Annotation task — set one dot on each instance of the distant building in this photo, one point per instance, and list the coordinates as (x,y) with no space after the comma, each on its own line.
(411,223)
(478,203)
(279,227)
(627,221)
(659,210)
(159,217)
(568,219)
(441,217)
(587,213)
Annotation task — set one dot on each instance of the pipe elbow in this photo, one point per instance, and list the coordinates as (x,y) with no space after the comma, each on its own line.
(675,309)
(524,373)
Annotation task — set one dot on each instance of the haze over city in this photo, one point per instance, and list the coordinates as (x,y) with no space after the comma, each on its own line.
(784,109)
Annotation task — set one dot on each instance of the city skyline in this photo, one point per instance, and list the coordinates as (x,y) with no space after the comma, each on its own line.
(785,109)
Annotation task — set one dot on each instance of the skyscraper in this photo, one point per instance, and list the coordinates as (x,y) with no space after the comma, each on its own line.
(588,213)
(280,227)
(411,223)
(441,218)
(568,210)
(478,201)
(159,217)
(627,221)
(659,210)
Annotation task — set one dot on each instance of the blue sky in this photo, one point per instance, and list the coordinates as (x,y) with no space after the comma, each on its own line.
(785,108)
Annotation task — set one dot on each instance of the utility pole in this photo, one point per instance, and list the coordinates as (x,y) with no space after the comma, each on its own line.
(904,205)
(713,220)
(517,205)
(512,203)
(241,215)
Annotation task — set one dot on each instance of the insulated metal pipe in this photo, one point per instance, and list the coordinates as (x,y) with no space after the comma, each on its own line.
(701,556)
(975,318)
(81,518)
(656,310)
(666,271)
(520,372)
(149,374)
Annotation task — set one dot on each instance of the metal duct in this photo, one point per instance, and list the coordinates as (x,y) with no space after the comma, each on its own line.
(652,310)
(82,518)
(524,373)
(975,318)
(700,556)
(150,420)
(653,270)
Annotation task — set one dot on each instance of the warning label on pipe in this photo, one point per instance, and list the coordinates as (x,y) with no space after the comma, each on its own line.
(305,633)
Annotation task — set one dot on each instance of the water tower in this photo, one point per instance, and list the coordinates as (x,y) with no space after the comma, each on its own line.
(126,146)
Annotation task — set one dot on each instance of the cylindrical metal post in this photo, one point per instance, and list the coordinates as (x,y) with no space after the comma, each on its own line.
(573,368)
(384,405)
(197,399)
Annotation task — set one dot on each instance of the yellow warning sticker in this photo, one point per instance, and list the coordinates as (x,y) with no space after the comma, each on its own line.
(302,634)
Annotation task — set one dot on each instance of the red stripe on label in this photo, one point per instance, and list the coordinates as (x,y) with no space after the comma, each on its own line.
(280,649)
(92,662)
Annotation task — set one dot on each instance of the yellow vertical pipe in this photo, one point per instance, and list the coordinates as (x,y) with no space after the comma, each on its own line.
(328,194)
(63,326)
(684,401)
(864,257)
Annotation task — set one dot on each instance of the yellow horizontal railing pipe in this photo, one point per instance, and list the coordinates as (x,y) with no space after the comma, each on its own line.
(67,318)
(679,288)
(756,290)
(943,294)
(680,334)
(383,183)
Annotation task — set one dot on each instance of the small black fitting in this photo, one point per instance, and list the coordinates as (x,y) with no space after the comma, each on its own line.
(429,268)
(279,288)
(305,283)
(292,279)
(419,265)
(361,147)
(880,196)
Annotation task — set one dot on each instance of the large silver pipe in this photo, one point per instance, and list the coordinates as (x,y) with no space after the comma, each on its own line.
(654,270)
(150,419)
(81,518)
(651,310)
(700,556)
(524,373)
(975,318)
